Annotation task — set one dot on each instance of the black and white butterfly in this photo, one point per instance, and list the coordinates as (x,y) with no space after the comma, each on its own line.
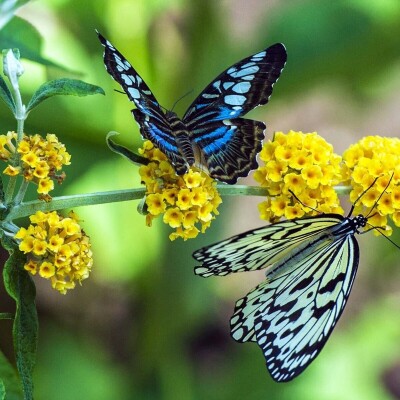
(211,134)
(312,265)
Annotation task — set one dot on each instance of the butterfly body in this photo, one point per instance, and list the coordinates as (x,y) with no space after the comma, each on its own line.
(312,263)
(211,134)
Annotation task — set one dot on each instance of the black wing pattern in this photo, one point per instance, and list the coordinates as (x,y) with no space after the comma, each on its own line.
(228,144)
(258,248)
(291,316)
(313,262)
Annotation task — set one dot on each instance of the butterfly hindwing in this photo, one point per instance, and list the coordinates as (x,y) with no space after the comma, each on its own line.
(229,147)
(292,315)
(242,87)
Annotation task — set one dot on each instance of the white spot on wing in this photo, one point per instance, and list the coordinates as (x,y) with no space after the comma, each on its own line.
(241,87)
(245,71)
(134,93)
(227,85)
(234,100)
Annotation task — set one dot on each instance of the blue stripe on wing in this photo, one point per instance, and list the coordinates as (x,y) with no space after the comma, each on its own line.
(161,138)
(239,89)
(230,147)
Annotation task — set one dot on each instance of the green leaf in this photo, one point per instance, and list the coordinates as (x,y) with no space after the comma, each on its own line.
(5,94)
(125,152)
(5,315)
(20,287)
(20,34)
(63,86)
(8,8)
(10,386)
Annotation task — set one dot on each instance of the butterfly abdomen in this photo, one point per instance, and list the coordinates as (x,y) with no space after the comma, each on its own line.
(181,135)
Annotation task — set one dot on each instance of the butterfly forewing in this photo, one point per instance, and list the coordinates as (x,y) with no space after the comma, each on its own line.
(258,248)
(131,82)
(242,87)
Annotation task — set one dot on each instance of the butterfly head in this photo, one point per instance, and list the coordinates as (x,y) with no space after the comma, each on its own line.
(360,221)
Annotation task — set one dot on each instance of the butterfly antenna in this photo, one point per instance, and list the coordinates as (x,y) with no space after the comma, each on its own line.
(304,205)
(381,231)
(120,91)
(377,200)
(180,98)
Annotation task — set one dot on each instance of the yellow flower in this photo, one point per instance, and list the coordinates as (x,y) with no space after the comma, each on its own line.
(12,171)
(57,248)
(173,217)
(188,203)
(302,164)
(155,203)
(373,170)
(40,160)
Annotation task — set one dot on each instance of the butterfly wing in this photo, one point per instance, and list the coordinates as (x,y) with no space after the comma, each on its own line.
(151,129)
(291,315)
(151,119)
(131,82)
(258,248)
(229,144)
(239,89)
(229,147)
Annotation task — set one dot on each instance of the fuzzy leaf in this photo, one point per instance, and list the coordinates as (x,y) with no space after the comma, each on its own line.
(20,287)
(20,34)
(8,8)
(124,151)
(5,94)
(10,387)
(63,86)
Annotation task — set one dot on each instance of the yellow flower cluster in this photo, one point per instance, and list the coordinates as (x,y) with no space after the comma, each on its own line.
(57,248)
(371,164)
(305,164)
(40,159)
(188,203)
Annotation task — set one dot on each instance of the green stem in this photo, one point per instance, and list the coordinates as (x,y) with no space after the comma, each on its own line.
(12,182)
(58,203)
(62,202)
(21,192)
(237,190)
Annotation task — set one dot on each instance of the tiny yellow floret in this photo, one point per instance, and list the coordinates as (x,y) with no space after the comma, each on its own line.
(188,203)
(57,248)
(373,170)
(299,169)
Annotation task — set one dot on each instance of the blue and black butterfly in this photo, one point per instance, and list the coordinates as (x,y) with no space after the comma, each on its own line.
(211,134)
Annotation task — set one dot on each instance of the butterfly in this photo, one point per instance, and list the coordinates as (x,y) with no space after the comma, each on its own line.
(312,265)
(211,134)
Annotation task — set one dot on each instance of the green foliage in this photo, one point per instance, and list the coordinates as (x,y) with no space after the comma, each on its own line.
(8,8)
(5,94)
(124,151)
(72,87)
(20,287)
(10,386)
(19,33)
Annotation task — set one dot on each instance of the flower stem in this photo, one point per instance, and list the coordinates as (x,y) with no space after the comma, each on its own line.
(58,203)
(235,190)
(62,202)
(21,192)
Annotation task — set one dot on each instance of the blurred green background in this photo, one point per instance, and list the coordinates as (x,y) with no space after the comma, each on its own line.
(144,326)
